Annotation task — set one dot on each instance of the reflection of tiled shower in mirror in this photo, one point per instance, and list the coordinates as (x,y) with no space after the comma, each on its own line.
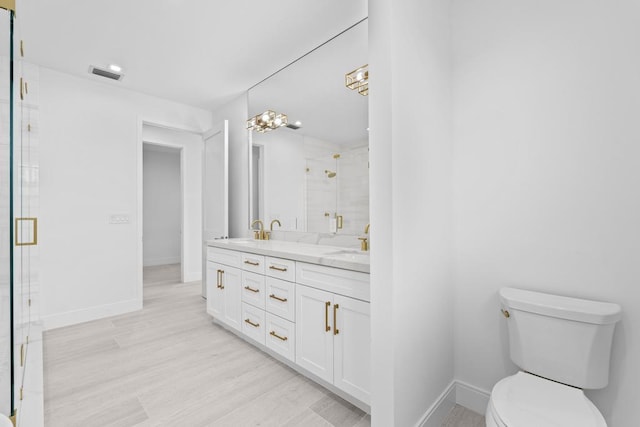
(337,192)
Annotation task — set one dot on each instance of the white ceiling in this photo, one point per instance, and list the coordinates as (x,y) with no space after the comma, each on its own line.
(202,53)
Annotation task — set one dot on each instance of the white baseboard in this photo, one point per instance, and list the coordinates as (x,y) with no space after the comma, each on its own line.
(436,414)
(472,397)
(92,313)
(459,392)
(161,261)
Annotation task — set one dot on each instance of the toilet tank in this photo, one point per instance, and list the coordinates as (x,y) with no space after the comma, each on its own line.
(564,339)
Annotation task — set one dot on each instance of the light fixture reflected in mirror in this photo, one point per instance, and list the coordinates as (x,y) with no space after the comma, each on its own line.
(267,121)
(358,79)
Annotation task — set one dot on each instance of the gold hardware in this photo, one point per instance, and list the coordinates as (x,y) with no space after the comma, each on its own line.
(8,5)
(21,355)
(22,48)
(21,393)
(13,417)
(250,289)
(366,228)
(255,325)
(336,156)
(274,221)
(506,313)
(34,240)
(307,169)
(21,89)
(220,274)
(358,79)
(339,222)
(364,243)
(277,298)
(259,233)
(273,267)
(273,333)
(252,262)
(267,235)
(267,121)
(26,88)
(335,321)
(29,127)
(330,174)
(327,328)
(327,214)
(29,302)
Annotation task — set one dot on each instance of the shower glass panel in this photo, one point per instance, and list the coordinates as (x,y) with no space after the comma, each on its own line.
(18,222)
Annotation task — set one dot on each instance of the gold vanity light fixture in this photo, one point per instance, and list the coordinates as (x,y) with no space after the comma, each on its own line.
(358,79)
(267,121)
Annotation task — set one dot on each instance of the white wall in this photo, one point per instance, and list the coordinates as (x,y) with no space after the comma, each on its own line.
(547,166)
(88,159)
(162,206)
(192,147)
(236,113)
(411,283)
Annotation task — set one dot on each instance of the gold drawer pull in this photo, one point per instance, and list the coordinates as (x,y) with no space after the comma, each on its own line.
(250,289)
(273,267)
(273,333)
(255,325)
(277,298)
(252,263)
(335,317)
(327,328)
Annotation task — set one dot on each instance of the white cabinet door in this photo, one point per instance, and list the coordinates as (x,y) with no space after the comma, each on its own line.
(215,298)
(230,282)
(352,347)
(314,333)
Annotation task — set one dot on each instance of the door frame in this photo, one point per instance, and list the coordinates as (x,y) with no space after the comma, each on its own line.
(142,122)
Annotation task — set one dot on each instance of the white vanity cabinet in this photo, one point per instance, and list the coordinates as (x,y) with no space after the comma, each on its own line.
(315,316)
(334,331)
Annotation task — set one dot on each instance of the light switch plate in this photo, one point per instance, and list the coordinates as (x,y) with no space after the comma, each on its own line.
(119,219)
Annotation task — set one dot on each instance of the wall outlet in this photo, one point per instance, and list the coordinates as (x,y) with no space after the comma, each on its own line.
(119,219)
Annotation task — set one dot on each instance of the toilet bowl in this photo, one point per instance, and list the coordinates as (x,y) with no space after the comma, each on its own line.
(525,400)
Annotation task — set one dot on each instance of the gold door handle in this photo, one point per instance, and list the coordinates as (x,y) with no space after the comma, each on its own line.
(28,226)
(327,328)
(250,289)
(220,278)
(21,355)
(21,89)
(273,333)
(255,325)
(273,267)
(277,298)
(339,222)
(252,263)
(335,319)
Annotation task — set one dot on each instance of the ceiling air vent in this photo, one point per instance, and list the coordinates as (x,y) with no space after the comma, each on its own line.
(105,73)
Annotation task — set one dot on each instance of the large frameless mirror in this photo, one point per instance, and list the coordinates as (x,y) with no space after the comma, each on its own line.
(312,173)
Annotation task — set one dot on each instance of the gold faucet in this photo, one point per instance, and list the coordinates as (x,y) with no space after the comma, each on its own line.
(267,234)
(259,233)
(364,241)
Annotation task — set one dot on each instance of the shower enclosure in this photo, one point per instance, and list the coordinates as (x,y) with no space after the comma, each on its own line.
(18,219)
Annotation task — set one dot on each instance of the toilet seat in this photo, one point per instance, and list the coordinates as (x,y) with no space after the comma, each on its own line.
(525,400)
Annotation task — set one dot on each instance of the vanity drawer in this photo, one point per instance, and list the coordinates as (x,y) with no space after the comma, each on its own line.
(279,268)
(280,298)
(253,263)
(253,323)
(224,256)
(253,289)
(349,283)
(280,336)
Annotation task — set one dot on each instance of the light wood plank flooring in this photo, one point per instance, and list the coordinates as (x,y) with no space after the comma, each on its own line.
(463,417)
(168,365)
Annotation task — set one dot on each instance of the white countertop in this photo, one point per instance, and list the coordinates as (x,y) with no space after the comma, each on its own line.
(331,256)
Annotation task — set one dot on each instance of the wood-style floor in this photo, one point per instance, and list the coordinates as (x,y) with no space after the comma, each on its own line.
(168,365)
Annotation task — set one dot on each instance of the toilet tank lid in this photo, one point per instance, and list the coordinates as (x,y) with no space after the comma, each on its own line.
(580,310)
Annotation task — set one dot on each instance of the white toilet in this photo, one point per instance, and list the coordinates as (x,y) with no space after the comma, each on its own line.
(562,345)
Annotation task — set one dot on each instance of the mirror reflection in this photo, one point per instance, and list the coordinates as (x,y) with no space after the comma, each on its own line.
(310,167)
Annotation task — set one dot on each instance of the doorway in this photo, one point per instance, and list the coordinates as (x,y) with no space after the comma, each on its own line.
(162,213)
